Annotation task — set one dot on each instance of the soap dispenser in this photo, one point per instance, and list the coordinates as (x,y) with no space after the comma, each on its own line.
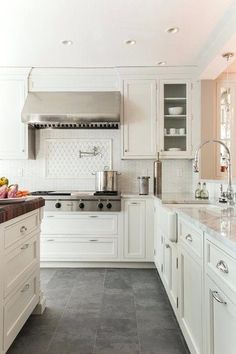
(198,191)
(204,192)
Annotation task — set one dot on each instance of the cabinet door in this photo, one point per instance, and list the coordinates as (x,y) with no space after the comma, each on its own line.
(221,320)
(139,119)
(135,229)
(190,300)
(175,114)
(173,292)
(167,268)
(13,133)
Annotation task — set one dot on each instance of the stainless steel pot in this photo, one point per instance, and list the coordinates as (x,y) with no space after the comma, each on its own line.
(106,181)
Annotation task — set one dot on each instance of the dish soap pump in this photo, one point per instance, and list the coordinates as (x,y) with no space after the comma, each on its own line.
(198,191)
(204,192)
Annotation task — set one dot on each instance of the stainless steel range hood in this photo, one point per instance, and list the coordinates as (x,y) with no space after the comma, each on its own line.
(68,110)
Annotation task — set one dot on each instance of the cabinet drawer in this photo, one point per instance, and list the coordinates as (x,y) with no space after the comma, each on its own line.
(18,308)
(14,232)
(72,248)
(191,237)
(80,224)
(19,263)
(222,265)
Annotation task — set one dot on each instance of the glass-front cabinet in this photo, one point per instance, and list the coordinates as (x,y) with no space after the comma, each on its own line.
(175,130)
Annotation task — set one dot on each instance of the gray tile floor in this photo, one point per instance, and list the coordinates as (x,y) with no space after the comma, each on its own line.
(102,311)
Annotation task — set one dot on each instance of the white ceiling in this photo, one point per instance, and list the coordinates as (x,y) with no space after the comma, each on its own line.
(31,31)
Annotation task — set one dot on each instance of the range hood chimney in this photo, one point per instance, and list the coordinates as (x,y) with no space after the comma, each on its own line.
(71,110)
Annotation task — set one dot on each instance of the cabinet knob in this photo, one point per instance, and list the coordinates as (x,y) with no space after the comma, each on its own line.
(126,150)
(26,287)
(25,246)
(189,238)
(23,229)
(167,246)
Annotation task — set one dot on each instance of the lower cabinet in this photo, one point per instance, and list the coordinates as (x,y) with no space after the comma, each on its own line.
(198,274)
(125,236)
(221,320)
(19,274)
(166,254)
(19,307)
(78,248)
(79,237)
(191,300)
(135,229)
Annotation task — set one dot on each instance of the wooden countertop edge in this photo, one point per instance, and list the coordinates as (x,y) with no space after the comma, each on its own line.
(11,211)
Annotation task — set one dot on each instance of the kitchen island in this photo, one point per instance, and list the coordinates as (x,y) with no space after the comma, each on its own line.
(19,267)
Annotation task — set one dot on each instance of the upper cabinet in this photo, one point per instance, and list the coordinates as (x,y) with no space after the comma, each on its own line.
(14,135)
(175,119)
(139,124)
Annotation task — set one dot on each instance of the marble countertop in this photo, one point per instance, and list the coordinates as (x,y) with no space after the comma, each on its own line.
(11,211)
(180,198)
(218,221)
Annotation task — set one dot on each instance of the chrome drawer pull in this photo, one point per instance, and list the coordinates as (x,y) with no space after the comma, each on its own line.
(93,216)
(50,240)
(133,203)
(222,266)
(93,240)
(189,238)
(217,297)
(26,287)
(23,229)
(25,246)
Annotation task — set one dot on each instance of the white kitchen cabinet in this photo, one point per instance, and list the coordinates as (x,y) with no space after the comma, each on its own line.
(138,229)
(19,274)
(135,229)
(175,128)
(221,319)
(139,123)
(191,287)
(16,140)
(79,237)
(166,253)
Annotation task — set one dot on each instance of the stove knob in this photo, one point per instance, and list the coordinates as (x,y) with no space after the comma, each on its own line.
(109,205)
(100,205)
(81,205)
(57,205)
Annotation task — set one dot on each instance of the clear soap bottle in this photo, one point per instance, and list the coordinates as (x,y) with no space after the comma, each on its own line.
(198,191)
(204,192)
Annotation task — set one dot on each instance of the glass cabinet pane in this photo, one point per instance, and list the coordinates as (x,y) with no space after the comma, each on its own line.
(175,115)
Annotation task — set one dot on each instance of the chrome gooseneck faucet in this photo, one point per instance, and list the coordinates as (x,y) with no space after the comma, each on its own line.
(230,192)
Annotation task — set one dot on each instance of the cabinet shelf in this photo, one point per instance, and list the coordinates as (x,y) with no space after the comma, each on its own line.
(175,135)
(175,98)
(175,116)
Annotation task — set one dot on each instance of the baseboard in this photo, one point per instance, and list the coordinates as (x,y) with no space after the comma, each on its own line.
(141,265)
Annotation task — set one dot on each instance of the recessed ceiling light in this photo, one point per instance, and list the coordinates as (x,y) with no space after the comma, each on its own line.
(130,41)
(67,42)
(172,30)
(161,63)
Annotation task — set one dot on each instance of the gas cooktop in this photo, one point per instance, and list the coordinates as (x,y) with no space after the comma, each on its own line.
(75,193)
(80,201)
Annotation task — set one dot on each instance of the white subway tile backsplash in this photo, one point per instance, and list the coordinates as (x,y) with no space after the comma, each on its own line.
(30,174)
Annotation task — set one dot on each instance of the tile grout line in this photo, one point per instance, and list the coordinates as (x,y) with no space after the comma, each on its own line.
(99,319)
(135,306)
(64,309)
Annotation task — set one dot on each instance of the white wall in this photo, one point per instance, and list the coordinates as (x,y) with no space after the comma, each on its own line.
(30,174)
